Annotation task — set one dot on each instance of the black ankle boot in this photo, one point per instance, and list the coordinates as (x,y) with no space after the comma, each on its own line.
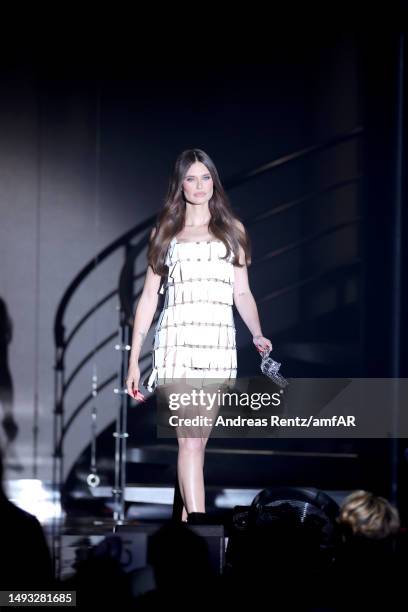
(197,518)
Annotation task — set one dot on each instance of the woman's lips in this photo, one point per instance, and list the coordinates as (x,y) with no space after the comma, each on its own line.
(199,194)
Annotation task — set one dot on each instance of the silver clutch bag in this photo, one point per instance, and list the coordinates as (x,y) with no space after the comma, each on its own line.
(270,368)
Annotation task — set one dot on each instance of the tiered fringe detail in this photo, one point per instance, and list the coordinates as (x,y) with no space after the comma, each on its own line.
(195,333)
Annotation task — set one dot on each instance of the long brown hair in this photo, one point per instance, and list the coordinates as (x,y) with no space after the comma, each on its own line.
(170,220)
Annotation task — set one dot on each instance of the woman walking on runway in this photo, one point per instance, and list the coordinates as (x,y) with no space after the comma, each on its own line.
(202,251)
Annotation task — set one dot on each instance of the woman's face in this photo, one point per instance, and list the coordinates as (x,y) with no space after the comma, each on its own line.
(198,184)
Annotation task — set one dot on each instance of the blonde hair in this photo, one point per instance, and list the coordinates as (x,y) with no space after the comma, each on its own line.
(367,515)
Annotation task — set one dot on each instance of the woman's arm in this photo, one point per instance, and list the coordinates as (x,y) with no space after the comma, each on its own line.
(145,310)
(245,302)
(144,314)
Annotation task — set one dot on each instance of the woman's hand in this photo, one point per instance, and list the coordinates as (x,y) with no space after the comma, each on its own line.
(262,344)
(132,382)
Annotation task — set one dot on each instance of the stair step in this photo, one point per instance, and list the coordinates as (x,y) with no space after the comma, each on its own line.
(223,497)
(165,452)
(256,467)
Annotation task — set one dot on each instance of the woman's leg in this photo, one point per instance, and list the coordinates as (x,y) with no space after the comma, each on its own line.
(191,455)
(190,474)
(184,514)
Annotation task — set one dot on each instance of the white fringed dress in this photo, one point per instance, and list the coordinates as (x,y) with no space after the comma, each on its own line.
(195,333)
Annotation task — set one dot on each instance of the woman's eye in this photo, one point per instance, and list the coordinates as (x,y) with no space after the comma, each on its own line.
(206,177)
